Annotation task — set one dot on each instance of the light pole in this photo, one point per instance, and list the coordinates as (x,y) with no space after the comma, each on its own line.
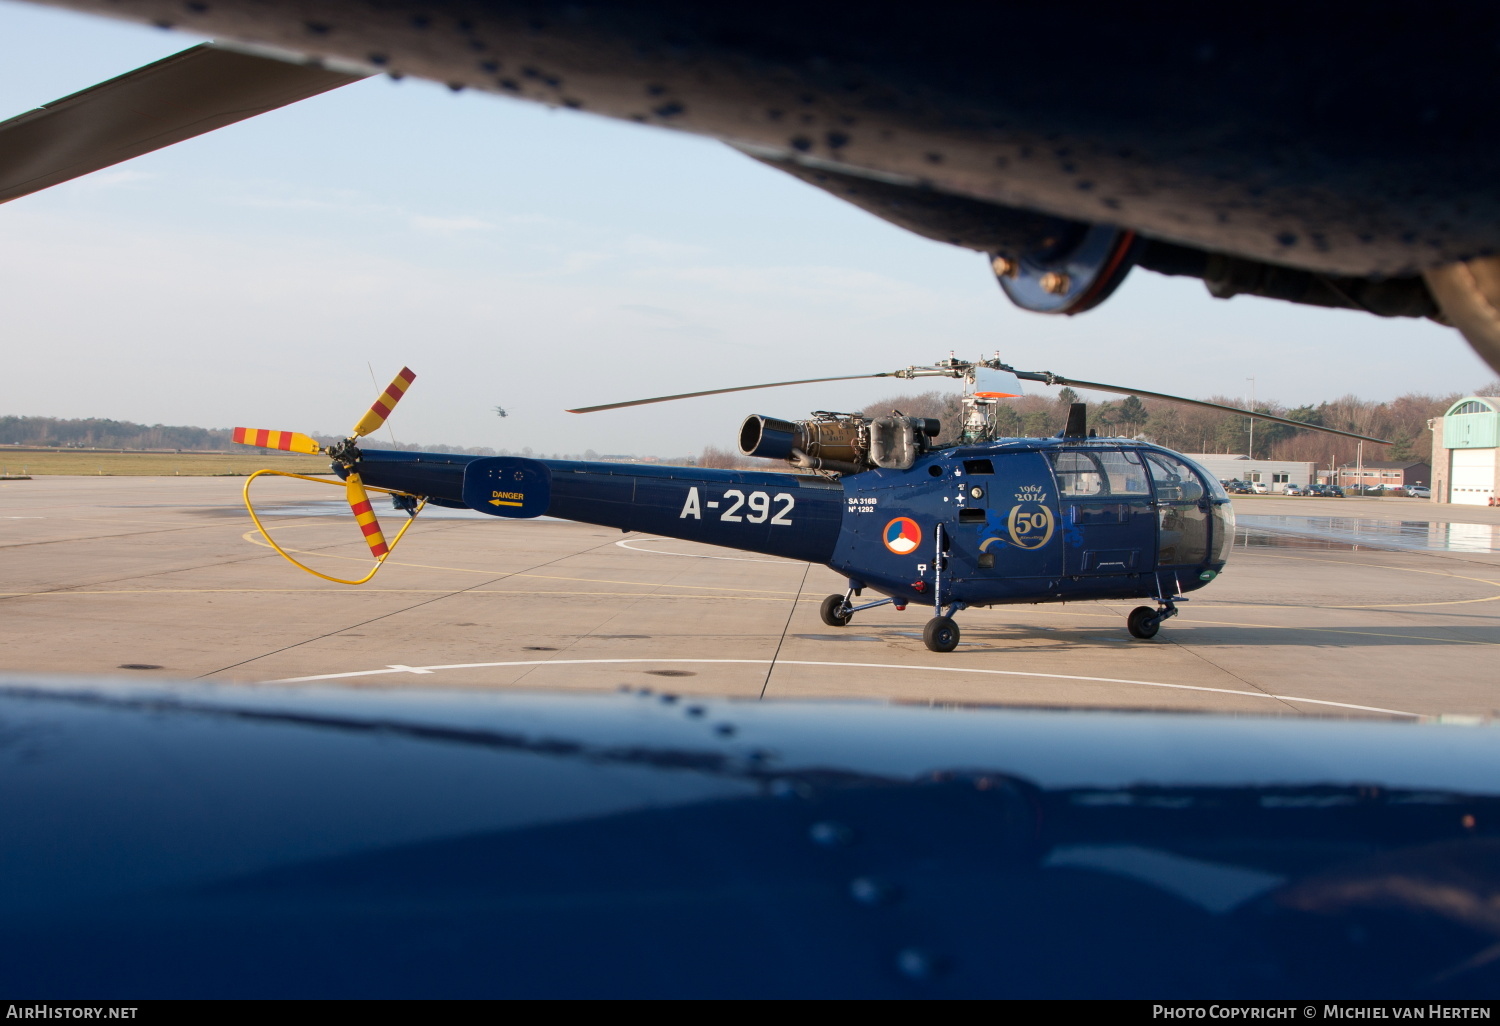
(1251,453)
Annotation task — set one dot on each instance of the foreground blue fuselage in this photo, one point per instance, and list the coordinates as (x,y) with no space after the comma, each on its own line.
(223,841)
(1023,520)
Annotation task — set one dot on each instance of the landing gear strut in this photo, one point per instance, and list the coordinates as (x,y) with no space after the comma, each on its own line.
(941,633)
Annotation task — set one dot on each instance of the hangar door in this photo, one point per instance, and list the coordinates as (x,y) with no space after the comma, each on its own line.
(1473,481)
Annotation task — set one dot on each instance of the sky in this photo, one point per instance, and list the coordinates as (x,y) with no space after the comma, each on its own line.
(539,259)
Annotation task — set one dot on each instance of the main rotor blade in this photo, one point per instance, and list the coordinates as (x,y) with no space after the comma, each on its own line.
(1057,379)
(189,93)
(722,391)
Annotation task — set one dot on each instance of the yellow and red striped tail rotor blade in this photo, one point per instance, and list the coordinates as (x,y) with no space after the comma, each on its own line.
(359,503)
(288,441)
(372,420)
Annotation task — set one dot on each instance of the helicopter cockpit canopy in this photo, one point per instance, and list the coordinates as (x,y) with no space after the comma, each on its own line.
(1187,497)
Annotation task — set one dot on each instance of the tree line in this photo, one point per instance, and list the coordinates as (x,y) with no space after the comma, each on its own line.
(98,433)
(1403,420)
(93,432)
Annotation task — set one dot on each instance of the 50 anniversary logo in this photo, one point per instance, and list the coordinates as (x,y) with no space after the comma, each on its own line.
(1030,526)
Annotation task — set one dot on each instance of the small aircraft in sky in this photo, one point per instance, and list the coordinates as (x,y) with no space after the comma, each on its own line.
(987,521)
(501,412)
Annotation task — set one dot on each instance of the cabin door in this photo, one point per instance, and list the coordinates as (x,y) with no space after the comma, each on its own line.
(1108,524)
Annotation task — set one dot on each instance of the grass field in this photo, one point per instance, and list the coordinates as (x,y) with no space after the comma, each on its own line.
(156,464)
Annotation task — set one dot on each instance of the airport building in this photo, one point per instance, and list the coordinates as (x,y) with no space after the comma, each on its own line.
(1464,468)
(1274,474)
(1387,474)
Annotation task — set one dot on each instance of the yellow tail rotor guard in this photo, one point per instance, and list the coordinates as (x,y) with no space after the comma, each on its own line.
(379,561)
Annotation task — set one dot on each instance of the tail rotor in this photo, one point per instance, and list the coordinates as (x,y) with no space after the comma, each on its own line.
(346,456)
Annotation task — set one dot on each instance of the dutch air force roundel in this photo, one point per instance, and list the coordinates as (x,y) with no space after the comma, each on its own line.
(902,536)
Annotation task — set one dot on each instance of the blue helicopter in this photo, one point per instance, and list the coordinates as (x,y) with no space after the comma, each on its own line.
(983,522)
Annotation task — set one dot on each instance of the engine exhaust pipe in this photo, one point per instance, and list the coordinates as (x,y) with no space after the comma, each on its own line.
(768,437)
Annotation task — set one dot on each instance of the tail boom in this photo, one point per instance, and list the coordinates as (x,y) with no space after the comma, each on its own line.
(786,515)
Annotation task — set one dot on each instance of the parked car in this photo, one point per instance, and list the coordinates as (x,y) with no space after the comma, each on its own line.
(1259,488)
(1419,491)
(1295,489)
(1326,491)
(1237,487)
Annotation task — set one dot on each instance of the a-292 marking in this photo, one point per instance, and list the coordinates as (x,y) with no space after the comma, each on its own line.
(757,506)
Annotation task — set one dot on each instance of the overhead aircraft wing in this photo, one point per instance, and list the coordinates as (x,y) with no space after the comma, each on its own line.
(1267,151)
(189,93)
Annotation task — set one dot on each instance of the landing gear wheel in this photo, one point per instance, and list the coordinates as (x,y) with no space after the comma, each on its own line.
(940,634)
(832,612)
(1143,622)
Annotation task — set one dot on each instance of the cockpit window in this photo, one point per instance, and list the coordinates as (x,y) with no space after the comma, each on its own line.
(1125,472)
(1174,479)
(1099,472)
(1078,474)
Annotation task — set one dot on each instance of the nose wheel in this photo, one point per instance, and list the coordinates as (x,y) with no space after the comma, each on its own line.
(1143,621)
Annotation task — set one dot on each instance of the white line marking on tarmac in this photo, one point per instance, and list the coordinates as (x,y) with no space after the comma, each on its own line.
(625,544)
(858,666)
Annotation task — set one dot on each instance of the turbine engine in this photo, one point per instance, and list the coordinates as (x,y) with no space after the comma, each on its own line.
(841,443)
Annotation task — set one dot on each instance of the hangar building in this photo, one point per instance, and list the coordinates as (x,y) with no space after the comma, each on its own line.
(1464,468)
(1274,474)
